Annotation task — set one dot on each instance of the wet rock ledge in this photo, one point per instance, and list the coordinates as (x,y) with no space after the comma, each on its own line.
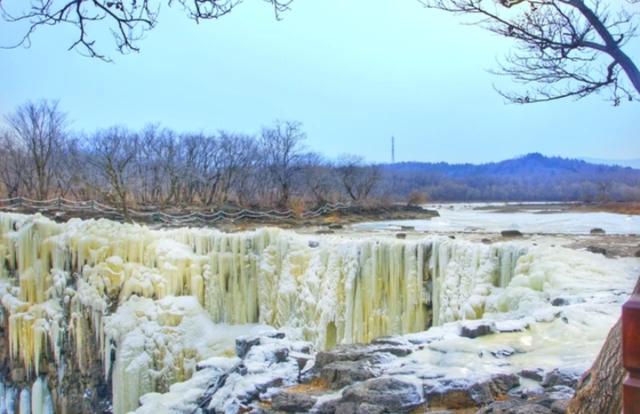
(274,375)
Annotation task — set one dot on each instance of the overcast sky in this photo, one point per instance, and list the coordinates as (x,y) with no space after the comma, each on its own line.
(354,72)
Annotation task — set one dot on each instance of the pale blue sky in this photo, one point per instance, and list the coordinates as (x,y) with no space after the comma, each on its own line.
(354,72)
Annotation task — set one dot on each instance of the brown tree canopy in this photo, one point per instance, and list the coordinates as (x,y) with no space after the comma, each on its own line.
(127,20)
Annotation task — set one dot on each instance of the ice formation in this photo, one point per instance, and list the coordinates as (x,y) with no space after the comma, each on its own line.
(148,304)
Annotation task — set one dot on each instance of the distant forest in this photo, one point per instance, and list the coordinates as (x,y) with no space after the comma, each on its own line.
(532,177)
(41,158)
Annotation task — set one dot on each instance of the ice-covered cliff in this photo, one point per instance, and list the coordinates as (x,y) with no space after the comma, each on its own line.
(138,308)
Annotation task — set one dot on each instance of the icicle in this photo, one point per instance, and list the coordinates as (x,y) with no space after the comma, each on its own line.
(25,402)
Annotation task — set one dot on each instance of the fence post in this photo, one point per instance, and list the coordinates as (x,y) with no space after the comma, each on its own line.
(631,354)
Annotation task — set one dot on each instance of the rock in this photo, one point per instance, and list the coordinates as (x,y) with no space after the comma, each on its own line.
(511,233)
(336,226)
(313,244)
(301,359)
(452,237)
(370,409)
(339,374)
(460,394)
(327,406)
(501,384)
(597,230)
(560,406)
(281,354)
(398,351)
(503,352)
(558,377)
(532,374)
(514,407)
(245,343)
(395,395)
(407,228)
(346,353)
(486,241)
(325,232)
(346,408)
(638,253)
(292,402)
(560,392)
(457,395)
(526,393)
(474,330)
(401,235)
(597,250)
(389,340)
(560,302)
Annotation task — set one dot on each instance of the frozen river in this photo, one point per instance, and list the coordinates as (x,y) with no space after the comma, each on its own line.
(482,218)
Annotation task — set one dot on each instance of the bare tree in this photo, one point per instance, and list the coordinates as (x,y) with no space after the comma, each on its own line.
(128,20)
(566,48)
(39,128)
(357,178)
(14,165)
(282,149)
(319,178)
(112,153)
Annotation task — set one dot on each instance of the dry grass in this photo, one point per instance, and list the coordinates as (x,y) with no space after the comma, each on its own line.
(316,386)
(627,207)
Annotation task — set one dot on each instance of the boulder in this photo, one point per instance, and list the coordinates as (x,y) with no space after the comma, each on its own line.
(456,395)
(514,407)
(407,228)
(560,406)
(532,374)
(370,409)
(393,394)
(505,352)
(343,353)
(292,402)
(597,230)
(336,226)
(339,374)
(511,233)
(401,235)
(245,343)
(486,241)
(560,302)
(463,394)
(313,244)
(476,329)
(325,232)
(597,250)
(559,377)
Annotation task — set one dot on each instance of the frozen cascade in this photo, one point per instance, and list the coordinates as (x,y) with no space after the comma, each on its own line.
(25,402)
(101,286)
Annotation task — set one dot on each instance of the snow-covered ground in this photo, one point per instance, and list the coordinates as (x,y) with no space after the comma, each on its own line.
(468,218)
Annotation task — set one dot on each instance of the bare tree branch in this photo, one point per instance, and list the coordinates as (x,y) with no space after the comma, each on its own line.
(563,48)
(127,20)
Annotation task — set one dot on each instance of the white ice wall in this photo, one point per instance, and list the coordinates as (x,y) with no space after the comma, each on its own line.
(106,275)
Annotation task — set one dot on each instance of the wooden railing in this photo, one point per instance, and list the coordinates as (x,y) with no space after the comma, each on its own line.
(158,215)
(631,354)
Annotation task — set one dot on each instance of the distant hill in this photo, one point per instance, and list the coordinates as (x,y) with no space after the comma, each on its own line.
(633,163)
(532,177)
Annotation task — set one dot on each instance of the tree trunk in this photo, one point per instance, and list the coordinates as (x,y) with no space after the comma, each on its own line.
(600,388)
